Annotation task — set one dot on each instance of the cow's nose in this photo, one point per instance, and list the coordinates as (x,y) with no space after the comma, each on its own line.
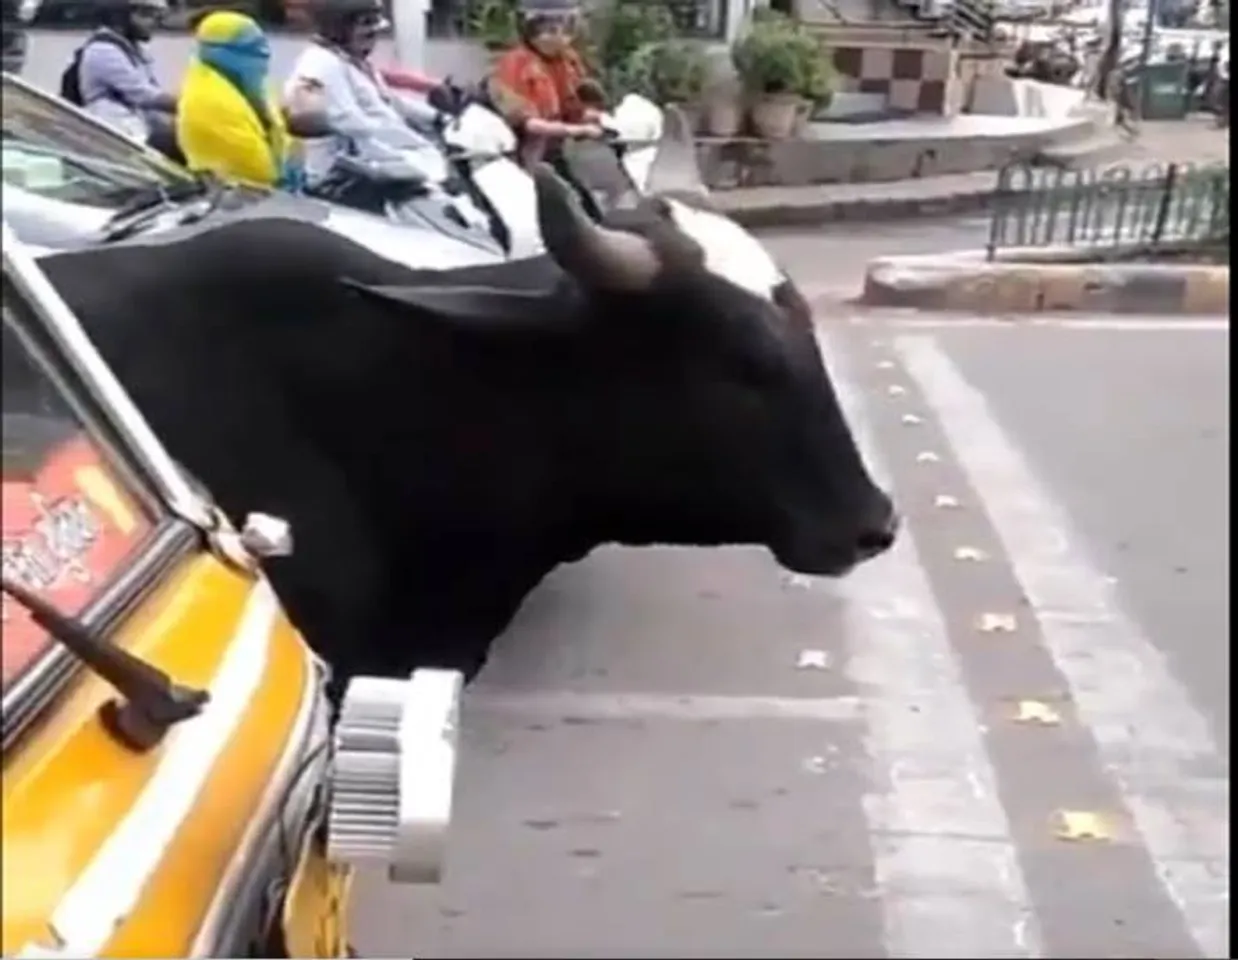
(880,537)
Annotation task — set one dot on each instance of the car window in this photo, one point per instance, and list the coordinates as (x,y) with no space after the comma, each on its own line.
(73,516)
(51,151)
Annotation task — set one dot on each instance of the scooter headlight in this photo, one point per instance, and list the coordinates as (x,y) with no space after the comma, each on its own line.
(393,774)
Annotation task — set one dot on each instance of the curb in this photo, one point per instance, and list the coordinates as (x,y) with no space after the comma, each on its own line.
(873,208)
(967,282)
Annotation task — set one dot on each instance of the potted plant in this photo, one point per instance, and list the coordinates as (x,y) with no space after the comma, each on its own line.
(496,23)
(817,77)
(768,58)
(613,32)
(669,72)
(722,104)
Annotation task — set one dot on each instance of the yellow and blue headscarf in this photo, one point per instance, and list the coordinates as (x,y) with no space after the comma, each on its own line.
(236,46)
(233,54)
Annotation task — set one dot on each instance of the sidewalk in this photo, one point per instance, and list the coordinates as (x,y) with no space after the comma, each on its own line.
(1195,140)
(894,200)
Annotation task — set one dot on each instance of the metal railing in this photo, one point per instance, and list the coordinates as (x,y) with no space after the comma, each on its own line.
(1113,211)
(971,19)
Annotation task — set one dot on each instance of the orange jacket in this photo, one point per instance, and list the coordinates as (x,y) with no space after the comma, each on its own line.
(524,85)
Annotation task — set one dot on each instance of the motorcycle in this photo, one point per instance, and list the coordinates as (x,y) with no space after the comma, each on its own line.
(482,146)
(409,189)
(479,192)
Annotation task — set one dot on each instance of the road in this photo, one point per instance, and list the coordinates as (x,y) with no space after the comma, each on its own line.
(1009,738)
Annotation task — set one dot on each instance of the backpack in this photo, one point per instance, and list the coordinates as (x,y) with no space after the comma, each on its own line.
(71,79)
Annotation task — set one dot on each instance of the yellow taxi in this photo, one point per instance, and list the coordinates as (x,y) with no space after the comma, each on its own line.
(176,782)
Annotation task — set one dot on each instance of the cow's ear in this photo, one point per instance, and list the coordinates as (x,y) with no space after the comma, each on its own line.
(468,307)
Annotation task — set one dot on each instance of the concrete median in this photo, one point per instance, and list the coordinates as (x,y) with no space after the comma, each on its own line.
(1029,281)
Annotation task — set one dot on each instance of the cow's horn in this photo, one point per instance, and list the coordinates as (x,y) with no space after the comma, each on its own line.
(607,259)
(674,165)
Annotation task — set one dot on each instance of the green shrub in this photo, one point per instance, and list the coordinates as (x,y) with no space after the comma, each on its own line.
(777,55)
(496,23)
(668,71)
(613,33)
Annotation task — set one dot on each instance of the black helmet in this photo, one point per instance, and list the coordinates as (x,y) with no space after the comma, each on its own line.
(117,13)
(335,20)
(534,15)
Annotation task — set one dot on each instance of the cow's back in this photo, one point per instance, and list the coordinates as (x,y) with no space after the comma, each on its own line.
(203,340)
(413,465)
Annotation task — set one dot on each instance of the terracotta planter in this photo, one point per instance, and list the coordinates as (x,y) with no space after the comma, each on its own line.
(774,115)
(724,117)
(693,113)
(803,114)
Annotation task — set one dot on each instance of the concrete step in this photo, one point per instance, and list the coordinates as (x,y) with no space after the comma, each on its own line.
(1100,146)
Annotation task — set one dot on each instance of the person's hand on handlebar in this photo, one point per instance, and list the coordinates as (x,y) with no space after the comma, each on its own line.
(586,131)
(538,127)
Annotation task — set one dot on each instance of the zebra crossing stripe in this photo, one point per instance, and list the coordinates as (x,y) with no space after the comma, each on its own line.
(1155,746)
(944,857)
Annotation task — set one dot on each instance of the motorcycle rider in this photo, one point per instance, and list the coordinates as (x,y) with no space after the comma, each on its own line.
(113,76)
(229,124)
(541,86)
(334,70)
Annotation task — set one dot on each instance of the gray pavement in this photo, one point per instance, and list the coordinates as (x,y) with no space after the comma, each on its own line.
(1009,738)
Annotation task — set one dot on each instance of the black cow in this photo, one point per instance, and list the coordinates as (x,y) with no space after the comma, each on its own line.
(441,441)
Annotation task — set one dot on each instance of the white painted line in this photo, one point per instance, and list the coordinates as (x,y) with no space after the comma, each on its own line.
(1114,324)
(943,853)
(1157,747)
(625,706)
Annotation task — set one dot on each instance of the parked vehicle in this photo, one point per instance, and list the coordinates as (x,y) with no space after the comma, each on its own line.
(76,180)
(173,773)
(70,180)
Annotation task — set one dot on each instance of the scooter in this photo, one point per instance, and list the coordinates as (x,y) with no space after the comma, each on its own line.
(471,187)
(475,190)
(481,147)
(416,189)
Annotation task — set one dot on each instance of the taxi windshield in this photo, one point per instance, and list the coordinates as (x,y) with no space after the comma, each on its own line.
(50,151)
(74,513)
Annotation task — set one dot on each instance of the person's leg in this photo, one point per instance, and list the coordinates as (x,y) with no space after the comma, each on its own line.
(162,137)
(558,161)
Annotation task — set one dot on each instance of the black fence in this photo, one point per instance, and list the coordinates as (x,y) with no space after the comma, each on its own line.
(1114,211)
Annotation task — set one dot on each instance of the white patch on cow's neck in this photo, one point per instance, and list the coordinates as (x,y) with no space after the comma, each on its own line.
(731,252)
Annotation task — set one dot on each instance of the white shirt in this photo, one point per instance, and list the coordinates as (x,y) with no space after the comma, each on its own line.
(358,106)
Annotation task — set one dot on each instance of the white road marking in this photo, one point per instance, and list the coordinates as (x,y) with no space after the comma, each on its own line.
(943,852)
(625,706)
(1152,741)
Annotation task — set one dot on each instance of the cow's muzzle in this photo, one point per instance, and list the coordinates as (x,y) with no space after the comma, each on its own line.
(832,555)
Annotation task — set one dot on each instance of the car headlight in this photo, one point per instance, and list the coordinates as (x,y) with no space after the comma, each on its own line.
(393,774)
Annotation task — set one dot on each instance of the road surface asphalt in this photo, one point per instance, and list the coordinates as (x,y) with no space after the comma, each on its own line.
(1008,738)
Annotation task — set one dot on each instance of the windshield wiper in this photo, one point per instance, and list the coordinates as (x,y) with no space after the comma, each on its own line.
(150,201)
(150,701)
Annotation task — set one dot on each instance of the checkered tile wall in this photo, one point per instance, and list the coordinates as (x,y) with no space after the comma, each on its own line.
(911,79)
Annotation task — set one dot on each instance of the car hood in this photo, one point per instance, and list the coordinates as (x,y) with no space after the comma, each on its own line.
(49,225)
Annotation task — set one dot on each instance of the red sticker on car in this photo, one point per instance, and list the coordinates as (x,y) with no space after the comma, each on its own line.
(67,533)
